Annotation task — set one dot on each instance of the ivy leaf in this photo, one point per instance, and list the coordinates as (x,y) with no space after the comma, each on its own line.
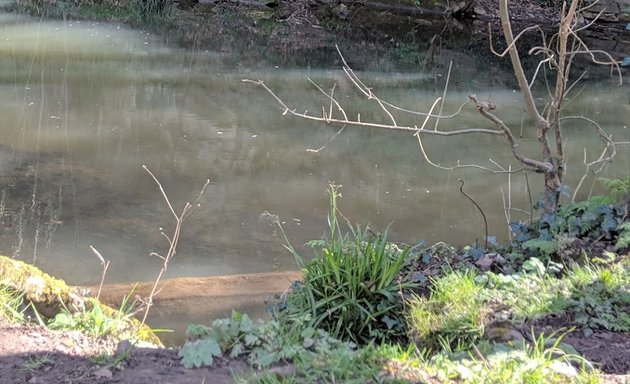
(548,218)
(260,358)
(587,332)
(476,252)
(609,223)
(534,265)
(308,332)
(418,277)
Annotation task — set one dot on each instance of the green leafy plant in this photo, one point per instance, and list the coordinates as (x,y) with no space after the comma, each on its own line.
(623,237)
(617,188)
(35,362)
(94,321)
(576,231)
(263,343)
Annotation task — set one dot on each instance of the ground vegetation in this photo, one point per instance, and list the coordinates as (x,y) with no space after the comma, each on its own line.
(550,305)
(464,315)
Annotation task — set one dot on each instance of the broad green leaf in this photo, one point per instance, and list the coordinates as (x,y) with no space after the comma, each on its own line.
(199,353)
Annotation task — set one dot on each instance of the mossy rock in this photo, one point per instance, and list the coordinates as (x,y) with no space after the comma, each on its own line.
(47,293)
(50,295)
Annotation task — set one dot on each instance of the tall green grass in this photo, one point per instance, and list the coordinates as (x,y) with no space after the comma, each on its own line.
(11,303)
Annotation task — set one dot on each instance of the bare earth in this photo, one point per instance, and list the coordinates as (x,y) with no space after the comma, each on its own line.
(36,355)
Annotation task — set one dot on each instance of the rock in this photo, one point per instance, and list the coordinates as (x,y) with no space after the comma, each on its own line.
(503,332)
(563,368)
(486,261)
(103,373)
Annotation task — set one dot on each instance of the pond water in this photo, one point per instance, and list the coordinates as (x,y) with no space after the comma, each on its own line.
(84,106)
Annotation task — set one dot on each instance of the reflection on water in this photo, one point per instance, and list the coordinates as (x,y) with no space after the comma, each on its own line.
(84,106)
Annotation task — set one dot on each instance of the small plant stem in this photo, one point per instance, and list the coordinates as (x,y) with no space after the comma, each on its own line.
(485,221)
(173,240)
(105,265)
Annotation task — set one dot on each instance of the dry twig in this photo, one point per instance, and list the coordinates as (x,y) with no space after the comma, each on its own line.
(172,240)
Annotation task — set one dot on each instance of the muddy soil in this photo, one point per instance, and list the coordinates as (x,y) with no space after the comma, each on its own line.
(36,355)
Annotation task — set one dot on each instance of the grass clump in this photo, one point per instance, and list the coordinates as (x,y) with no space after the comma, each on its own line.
(541,362)
(452,315)
(339,323)
(353,288)
(11,304)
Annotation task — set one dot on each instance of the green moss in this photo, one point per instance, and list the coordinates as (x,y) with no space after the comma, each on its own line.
(47,293)
(51,296)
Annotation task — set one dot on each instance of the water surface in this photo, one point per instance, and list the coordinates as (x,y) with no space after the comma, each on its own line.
(85,105)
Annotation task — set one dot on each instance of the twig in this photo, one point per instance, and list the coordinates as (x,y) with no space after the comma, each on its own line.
(448,79)
(485,221)
(328,142)
(105,265)
(173,240)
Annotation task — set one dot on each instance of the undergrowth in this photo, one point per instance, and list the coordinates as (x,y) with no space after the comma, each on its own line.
(471,319)
(95,320)
(156,15)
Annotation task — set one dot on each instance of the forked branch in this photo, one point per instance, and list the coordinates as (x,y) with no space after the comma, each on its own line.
(173,240)
(325,118)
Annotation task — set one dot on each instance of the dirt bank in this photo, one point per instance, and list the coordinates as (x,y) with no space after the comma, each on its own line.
(186,300)
(205,294)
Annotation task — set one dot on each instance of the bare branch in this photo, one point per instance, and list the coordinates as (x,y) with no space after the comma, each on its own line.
(360,123)
(448,79)
(105,265)
(367,91)
(513,43)
(458,165)
(168,202)
(542,125)
(173,240)
(484,108)
(332,99)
